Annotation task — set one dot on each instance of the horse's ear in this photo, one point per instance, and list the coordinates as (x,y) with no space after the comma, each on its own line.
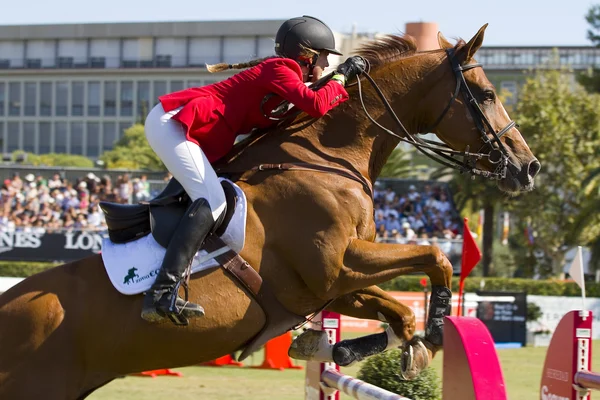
(443,42)
(475,43)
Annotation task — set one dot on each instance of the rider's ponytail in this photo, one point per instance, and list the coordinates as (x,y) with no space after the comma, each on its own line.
(224,66)
(212,68)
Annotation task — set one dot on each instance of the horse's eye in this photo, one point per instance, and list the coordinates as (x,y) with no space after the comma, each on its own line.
(489,96)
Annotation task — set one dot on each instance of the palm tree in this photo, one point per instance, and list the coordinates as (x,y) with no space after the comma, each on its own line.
(586,226)
(401,164)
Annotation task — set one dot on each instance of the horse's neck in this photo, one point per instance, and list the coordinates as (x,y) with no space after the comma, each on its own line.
(404,86)
(347,138)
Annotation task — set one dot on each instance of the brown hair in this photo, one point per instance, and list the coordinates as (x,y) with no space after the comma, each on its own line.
(306,52)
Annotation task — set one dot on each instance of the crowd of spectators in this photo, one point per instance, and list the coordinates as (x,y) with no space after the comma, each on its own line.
(53,203)
(38,203)
(415,217)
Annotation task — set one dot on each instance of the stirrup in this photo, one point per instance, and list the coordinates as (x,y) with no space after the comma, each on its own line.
(176,314)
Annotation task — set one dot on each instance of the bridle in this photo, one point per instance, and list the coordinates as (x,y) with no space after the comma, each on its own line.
(442,153)
(463,161)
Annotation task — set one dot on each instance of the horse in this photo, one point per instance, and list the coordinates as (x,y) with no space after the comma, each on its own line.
(310,233)
(131,275)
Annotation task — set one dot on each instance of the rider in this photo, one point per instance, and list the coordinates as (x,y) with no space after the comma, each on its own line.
(195,127)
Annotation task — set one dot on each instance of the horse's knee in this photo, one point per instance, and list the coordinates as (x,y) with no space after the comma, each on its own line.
(442,264)
(405,327)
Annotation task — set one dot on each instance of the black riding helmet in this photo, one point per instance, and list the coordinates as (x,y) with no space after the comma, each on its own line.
(307,32)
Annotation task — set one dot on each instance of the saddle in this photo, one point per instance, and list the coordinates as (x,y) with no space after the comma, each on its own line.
(160,217)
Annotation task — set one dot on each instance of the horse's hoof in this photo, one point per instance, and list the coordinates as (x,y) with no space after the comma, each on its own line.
(311,345)
(415,358)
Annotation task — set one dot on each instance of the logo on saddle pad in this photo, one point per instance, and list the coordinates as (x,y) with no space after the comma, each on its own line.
(132,277)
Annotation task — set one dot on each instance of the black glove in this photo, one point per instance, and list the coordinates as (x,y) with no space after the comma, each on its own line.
(352,67)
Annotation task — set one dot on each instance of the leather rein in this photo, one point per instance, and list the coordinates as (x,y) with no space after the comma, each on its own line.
(441,152)
(463,161)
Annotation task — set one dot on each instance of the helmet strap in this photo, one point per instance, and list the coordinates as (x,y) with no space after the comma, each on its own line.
(308,63)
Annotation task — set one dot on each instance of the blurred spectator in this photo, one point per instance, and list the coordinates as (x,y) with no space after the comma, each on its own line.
(37,204)
(415,214)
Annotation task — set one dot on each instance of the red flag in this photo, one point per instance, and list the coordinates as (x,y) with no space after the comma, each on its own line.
(470,257)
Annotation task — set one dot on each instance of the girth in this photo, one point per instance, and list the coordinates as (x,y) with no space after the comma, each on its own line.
(278,319)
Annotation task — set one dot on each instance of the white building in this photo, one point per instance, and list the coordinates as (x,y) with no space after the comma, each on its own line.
(75,88)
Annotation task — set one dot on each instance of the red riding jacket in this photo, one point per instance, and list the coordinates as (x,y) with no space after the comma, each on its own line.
(216,114)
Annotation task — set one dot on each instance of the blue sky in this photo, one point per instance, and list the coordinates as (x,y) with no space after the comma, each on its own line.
(512,22)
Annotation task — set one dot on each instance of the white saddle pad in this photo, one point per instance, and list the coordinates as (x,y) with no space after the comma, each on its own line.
(132,266)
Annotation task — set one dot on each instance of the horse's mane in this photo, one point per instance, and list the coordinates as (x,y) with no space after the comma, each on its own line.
(387,49)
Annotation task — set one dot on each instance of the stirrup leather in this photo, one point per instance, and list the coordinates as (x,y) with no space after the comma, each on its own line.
(174,313)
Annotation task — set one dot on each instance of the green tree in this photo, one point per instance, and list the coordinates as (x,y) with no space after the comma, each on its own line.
(561,123)
(590,79)
(55,160)
(586,229)
(132,151)
(593,19)
(402,164)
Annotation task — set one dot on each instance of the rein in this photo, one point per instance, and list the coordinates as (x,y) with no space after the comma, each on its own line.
(463,161)
(440,152)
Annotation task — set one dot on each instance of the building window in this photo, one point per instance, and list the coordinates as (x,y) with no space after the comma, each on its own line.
(123,126)
(44,137)
(77,98)
(2,136)
(176,86)
(2,97)
(194,83)
(60,137)
(126,99)
(29,137)
(13,136)
(62,99)
(109,135)
(110,99)
(160,88)
(143,99)
(510,91)
(46,99)
(14,98)
(93,99)
(93,139)
(30,98)
(77,140)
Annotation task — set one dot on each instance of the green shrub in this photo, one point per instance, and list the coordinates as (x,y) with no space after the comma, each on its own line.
(383,370)
(549,287)
(23,268)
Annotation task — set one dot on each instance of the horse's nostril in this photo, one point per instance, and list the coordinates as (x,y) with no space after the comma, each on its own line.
(533,168)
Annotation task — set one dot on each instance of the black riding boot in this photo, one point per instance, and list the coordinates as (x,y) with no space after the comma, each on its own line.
(162,299)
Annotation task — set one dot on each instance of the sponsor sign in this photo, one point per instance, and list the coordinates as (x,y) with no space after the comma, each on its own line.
(49,246)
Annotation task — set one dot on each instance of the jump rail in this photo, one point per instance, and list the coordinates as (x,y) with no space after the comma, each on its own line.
(567,370)
(471,367)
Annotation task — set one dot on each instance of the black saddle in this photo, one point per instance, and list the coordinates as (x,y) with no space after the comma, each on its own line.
(159,216)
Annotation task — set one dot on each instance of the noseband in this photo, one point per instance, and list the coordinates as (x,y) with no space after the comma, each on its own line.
(464,161)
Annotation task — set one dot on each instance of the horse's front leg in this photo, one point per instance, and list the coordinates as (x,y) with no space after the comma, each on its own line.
(367,263)
(369,303)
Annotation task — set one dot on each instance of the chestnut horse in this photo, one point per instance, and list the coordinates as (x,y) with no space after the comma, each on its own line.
(66,331)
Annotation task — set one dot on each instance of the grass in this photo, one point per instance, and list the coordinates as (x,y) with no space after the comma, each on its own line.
(522,371)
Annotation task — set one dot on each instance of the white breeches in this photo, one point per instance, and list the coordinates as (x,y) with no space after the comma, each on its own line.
(184,159)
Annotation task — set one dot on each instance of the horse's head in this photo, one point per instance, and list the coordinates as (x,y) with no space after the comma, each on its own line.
(469,116)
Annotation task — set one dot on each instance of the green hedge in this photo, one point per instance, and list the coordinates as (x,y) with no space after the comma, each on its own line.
(23,268)
(401,284)
(531,286)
